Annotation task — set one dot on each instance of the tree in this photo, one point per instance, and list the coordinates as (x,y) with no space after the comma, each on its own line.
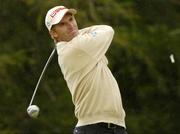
(146,33)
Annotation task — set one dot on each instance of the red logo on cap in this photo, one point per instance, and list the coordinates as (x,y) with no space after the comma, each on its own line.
(56,11)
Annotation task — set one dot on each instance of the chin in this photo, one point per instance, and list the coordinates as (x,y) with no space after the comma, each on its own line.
(72,35)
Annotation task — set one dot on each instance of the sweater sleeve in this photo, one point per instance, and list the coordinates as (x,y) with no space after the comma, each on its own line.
(96,40)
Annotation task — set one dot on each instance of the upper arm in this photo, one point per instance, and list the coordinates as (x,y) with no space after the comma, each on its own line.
(96,41)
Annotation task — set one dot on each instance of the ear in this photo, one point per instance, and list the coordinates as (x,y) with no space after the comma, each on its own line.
(53,34)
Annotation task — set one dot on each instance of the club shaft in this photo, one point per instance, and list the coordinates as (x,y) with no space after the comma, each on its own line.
(44,69)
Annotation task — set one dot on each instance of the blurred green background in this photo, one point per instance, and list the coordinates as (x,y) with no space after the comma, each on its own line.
(146,33)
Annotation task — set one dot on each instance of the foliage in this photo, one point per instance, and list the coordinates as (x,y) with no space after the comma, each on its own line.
(146,33)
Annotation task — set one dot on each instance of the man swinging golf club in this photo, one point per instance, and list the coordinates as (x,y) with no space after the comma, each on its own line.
(81,57)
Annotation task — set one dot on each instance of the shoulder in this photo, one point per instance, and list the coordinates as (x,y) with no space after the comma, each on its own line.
(95,27)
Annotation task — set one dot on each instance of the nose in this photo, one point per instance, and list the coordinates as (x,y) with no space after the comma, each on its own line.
(70,25)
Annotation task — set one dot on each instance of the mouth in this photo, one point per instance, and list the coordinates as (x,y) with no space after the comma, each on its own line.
(73,32)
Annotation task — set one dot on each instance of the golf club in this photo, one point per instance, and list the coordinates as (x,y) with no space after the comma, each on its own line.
(33,108)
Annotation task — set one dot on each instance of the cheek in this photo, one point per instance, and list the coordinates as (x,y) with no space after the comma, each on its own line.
(60,32)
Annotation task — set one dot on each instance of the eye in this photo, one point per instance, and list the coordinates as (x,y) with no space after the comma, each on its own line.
(71,19)
(61,23)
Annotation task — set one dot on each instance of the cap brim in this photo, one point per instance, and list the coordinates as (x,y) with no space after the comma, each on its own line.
(71,10)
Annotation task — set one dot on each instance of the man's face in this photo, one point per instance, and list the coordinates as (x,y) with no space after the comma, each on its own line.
(65,30)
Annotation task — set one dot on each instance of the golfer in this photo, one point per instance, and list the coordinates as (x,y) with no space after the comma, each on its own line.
(81,57)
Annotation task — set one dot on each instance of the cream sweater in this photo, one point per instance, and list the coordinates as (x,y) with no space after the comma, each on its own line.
(95,92)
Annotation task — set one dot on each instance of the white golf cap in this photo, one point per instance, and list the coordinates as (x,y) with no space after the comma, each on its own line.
(55,15)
